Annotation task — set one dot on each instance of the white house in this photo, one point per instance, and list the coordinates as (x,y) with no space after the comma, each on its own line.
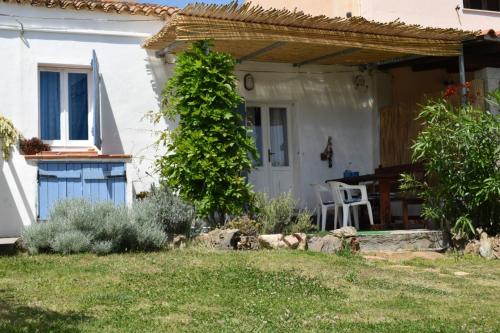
(49,91)
(82,75)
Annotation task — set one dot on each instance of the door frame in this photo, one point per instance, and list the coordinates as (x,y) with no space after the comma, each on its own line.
(266,140)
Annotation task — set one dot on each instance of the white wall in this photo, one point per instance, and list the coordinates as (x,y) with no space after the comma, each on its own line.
(325,103)
(131,78)
(430,13)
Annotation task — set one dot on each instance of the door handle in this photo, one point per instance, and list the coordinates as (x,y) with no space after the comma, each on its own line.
(269,154)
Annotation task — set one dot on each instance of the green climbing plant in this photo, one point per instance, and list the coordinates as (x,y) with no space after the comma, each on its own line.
(8,136)
(210,150)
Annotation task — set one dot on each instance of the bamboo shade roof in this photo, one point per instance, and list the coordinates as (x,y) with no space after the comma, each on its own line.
(270,35)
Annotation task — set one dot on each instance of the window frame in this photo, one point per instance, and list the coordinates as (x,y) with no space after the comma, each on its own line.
(64,142)
(484,6)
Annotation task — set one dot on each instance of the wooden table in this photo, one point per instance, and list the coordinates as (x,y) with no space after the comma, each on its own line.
(385,178)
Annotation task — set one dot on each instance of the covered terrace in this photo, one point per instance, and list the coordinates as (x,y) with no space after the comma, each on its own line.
(280,36)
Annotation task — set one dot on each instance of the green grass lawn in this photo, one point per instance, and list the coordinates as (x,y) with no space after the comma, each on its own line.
(266,291)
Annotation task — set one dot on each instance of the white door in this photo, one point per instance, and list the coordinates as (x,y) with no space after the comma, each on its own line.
(273,172)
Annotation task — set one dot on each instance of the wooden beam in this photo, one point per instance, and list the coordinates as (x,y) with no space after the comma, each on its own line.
(170,48)
(394,61)
(261,51)
(328,56)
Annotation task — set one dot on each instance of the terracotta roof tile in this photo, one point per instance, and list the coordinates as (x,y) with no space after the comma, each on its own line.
(113,7)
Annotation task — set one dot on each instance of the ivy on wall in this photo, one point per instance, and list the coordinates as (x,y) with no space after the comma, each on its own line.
(8,136)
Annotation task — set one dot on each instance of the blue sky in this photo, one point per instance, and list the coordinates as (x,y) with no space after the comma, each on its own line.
(182,3)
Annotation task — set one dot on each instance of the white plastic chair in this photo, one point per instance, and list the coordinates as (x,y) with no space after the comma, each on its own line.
(343,197)
(324,196)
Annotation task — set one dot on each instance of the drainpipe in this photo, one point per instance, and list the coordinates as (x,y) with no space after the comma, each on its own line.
(461,70)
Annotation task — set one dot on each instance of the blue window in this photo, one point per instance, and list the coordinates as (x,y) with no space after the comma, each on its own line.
(64,106)
(78,106)
(50,105)
(90,180)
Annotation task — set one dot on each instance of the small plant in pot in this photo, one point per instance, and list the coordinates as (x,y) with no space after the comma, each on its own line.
(33,146)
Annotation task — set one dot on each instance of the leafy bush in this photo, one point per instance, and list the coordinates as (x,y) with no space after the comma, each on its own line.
(277,215)
(79,226)
(209,151)
(8,136)
(460,149)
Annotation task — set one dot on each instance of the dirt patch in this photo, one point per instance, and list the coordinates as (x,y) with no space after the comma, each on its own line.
(403,255)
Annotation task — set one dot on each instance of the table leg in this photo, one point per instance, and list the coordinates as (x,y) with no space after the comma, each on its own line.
(385,202)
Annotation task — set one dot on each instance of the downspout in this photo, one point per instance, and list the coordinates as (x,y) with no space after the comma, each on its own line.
(461,70)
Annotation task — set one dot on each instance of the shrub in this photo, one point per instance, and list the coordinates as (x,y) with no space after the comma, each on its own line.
(71,241)
(170,211)
(102,247)
(38,237)
(78,226)
(277,215)
(460,149)
(245,225)
(209,151)
(303,222)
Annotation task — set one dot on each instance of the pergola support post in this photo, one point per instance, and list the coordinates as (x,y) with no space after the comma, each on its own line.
(461,71)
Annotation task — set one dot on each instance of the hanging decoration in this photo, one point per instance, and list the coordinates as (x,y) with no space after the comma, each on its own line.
(327,154)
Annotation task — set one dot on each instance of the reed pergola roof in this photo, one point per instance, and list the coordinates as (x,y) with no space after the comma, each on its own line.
(253,33)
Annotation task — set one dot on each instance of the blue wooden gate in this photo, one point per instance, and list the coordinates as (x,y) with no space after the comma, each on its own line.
(92,181)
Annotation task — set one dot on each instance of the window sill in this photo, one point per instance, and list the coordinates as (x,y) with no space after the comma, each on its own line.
(480,11)
(76,155)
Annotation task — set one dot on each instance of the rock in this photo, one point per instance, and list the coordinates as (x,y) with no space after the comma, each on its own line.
(496,247)
(248,243)
(315,244)
(274,241)
(291,241)
(302,240)
(327,244)
(472,247)
(179,242)
(331,244)
(486,246)
(345,232)
(404,240)
(222,239)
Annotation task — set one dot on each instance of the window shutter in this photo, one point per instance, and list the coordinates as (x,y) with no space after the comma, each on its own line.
(96,101)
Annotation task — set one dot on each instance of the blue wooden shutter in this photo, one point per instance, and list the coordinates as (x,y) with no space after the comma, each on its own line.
(57,181)
(104,182)
(96,101)
(95,182)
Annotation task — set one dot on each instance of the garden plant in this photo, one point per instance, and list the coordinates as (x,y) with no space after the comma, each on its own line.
(210,150)
(460,150)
